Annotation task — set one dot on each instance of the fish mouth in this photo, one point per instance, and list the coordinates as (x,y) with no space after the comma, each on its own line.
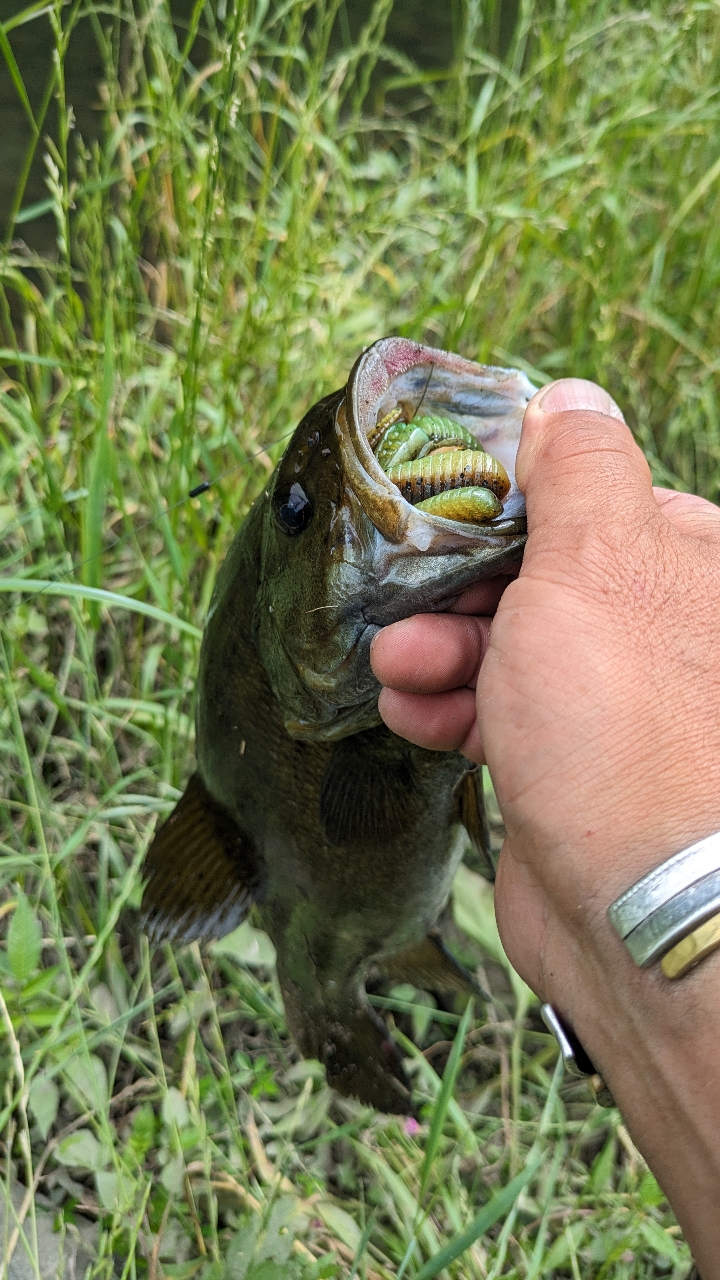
(422,562)
(489,402)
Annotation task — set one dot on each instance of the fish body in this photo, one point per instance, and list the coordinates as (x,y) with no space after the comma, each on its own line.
(344,836)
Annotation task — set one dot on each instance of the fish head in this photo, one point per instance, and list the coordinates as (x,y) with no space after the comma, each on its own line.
(344,554)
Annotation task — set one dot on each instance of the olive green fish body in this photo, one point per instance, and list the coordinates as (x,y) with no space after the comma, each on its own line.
(345,837)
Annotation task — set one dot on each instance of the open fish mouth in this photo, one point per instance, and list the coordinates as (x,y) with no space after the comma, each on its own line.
(345,553)
(412,379)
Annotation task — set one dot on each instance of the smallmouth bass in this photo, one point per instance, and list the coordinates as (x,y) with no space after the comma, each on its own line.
(344,836)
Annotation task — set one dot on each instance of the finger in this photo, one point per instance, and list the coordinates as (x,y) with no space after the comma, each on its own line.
(436,721)
(481,597)
(577,462)
(688,513)
(430,652)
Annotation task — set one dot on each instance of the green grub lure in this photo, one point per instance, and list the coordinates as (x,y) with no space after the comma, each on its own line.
(405,441)
(380,428)
(474,505)
(437,467)
(457,469)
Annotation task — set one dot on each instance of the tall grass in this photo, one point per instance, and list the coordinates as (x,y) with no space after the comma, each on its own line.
(266,199)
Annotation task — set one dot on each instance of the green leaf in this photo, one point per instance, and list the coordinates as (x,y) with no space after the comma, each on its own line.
(115,1190)
(142,1134)
(602,1167)
(659,1240)
(43,1101)
(339,1222)
(487,1217)
(87,1076)
(175,1109)
(24,941)
(284,1222)
(474,913)
(173,1175)
(252,946)
(651,1192)
(49,587)
(81,1150)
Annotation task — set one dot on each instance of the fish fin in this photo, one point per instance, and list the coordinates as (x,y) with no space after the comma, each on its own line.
(357,1052)
(363,1062)
(430,966)
(202,873)
(470,803)
(369,792)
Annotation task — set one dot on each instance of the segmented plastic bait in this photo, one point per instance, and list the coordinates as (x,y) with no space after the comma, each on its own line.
(378,431)
(405,441)
(425,477)
(474,505)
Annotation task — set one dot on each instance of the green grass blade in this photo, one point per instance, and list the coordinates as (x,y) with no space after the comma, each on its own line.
(40,586)
(487,1217)
(444,1099)
(13,68)
(100,473)
(362,1246)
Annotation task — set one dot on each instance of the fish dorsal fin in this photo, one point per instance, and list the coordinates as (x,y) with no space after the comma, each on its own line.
(202,872)
(430,966)
(470,803)
(369,792)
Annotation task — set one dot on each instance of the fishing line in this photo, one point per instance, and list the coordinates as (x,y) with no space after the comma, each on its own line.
(195,492)
(427,384)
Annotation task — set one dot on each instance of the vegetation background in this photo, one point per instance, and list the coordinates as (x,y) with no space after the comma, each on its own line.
(260,190)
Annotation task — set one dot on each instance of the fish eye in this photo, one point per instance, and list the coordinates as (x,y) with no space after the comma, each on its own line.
(293,509)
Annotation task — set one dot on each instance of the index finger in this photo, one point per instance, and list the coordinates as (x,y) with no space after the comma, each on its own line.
(430,653)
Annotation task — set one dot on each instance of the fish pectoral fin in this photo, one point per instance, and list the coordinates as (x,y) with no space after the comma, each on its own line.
(202,872)
(470,803)
(430,966)
(369,792)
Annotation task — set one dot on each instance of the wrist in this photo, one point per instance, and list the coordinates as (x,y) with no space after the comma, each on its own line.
(655,1044)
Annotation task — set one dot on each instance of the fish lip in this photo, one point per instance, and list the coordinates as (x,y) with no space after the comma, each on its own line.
(429,583)
(498,398)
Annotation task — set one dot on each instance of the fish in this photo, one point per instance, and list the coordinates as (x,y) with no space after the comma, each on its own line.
(342,837)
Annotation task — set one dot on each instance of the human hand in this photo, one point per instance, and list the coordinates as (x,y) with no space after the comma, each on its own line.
(596,708)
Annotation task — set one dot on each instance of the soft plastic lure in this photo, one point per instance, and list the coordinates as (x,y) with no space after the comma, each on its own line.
(474,505)
(456,469)
(436,466)
(406,441)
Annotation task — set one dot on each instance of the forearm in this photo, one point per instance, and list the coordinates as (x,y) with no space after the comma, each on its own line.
(656,1044)
(654,1041)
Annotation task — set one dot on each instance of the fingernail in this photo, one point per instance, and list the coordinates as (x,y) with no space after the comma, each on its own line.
(577,393)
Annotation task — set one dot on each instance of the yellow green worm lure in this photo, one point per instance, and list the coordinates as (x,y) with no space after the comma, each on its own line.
(437,467)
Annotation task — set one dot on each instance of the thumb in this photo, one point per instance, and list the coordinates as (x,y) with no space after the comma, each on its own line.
(577,460)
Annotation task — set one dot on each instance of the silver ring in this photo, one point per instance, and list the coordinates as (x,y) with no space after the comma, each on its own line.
(674,920)
(663,883)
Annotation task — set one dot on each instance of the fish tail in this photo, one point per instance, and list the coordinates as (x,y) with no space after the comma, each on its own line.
(353,1044)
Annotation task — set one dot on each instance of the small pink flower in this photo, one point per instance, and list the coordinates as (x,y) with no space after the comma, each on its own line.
(412,1128)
